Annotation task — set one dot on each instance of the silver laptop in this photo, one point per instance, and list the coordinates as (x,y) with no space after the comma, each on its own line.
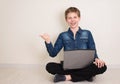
(77,59)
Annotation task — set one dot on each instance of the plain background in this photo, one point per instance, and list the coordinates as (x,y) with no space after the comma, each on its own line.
(22,21)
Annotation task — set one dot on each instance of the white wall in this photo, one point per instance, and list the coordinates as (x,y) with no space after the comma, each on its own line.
(21,22)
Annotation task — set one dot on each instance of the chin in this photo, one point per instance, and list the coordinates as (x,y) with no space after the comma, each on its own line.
(73,27)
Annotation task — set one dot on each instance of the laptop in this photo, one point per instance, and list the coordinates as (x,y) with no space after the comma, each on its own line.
(77,59)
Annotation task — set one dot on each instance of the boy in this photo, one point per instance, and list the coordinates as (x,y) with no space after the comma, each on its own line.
(74,38)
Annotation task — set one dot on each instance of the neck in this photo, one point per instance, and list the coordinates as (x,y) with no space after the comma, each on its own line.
(74,30)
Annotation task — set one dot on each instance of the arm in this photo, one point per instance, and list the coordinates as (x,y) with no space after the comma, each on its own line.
(91,45)
(53,50)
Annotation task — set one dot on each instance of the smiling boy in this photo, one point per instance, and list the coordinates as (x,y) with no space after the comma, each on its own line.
(73,39)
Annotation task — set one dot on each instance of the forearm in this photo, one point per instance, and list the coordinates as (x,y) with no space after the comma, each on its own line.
(50,49)
(53,50)
(96,56)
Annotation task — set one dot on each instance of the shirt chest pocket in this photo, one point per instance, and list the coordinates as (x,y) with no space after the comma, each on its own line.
(84,39)
(67,42)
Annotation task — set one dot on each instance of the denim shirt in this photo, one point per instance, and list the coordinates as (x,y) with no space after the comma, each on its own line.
(82,40)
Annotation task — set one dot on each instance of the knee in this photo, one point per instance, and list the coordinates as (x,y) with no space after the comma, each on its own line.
(49,67)
(103,69)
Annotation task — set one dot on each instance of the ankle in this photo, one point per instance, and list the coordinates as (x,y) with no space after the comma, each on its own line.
(68,77)
(59,78)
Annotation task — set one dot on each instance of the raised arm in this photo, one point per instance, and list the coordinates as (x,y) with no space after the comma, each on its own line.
(53,50)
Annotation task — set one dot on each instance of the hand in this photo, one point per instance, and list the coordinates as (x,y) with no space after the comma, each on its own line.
(46,37)
(99,63)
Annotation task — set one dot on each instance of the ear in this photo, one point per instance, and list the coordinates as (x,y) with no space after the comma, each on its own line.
(66,19)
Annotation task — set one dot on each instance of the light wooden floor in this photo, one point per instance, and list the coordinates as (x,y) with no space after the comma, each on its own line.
(35,74)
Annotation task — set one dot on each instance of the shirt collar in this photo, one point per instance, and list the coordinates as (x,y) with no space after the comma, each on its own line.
(79,31)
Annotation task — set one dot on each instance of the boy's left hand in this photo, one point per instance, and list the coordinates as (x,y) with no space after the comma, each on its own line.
(99,63)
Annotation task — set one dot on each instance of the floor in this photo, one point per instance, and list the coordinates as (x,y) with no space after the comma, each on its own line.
(36,74)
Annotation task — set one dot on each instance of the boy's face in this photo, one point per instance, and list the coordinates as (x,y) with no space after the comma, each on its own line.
(72,20)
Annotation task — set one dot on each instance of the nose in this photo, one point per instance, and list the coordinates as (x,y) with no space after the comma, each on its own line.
(72,19)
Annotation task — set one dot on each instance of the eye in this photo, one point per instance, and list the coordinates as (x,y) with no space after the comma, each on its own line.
(75,17)
(69,17)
